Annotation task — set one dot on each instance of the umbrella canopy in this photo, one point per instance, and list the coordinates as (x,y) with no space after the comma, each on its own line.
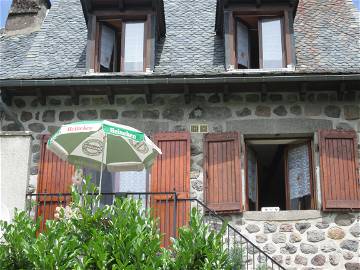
(100,144)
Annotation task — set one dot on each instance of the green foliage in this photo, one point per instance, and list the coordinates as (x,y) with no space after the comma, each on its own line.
(121,236)
(237,260)
(198,247)
(18,237)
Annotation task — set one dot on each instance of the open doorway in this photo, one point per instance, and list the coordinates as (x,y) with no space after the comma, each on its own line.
(279,174)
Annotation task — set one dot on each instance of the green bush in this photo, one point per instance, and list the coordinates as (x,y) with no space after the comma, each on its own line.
(121,236)
(198,247)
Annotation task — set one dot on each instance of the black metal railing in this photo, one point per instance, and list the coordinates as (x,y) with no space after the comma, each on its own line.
(172,212)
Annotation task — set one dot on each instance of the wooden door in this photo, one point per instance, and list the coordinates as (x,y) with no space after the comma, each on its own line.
(223,190)
(339,170)
(171,172)
(54,179)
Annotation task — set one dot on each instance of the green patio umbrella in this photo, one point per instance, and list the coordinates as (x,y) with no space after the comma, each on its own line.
(103,144)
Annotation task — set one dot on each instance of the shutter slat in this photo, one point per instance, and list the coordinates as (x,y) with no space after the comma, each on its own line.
(222,171)
(171,173)
(339,169)
(55,176)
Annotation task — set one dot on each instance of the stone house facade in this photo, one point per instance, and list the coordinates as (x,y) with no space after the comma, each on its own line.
(295,129)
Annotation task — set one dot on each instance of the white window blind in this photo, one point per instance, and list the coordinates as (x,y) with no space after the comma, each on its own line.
(242,44)
(271,43)
(134,47)
(107,46)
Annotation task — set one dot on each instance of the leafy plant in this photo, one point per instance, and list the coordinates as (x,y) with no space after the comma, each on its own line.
(236,257)
(198,247)
(121,236)
(18,237)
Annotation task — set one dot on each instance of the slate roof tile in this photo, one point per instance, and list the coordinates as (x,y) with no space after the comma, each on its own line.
(327,34)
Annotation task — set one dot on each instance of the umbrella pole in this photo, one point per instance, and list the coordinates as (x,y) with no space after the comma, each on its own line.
(102,167)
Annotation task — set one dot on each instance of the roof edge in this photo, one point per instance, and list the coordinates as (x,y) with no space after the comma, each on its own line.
(177,80)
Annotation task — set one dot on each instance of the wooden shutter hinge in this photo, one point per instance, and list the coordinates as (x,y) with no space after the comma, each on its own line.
(317,148)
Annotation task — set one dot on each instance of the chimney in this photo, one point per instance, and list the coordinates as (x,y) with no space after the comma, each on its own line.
(26,16)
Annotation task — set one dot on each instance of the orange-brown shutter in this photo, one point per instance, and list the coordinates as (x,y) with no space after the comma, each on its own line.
(339,170)
(222,171)
(171,172)
(55,177)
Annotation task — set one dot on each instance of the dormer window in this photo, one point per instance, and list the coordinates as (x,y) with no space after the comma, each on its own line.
(120,46)
(122,34)
(257,36)
(259,42)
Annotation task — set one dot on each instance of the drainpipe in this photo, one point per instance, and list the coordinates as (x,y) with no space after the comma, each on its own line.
(5,110)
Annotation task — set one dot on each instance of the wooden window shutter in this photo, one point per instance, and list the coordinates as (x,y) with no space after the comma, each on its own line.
(222,174)
(171,172)
(54,177)
(339,169)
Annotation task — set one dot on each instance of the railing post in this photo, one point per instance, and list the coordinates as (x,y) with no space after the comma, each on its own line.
(175,213)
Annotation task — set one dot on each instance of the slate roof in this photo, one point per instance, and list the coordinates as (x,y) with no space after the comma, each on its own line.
(326,40)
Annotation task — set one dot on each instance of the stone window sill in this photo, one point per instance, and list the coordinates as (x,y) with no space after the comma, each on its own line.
(289,215)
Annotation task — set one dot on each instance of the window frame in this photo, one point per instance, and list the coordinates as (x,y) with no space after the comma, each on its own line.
(122,49)
(310,142)
(234,14)
(94,36)
(260,33)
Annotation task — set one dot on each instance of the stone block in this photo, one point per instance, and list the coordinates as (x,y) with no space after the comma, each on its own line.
(130,114)
(87,115)
(308,248)
(54,102)
(48,116)
(318,260)
(252,228)
(334,258)
(315,235)
(295,237)
(66,115)
(347,255)
(261,238)
(288,249)
(296,110)
(151,114)
(332,111)
(138,101)
(278,126)
(36,127)
(352,266)
(109,114)
(300,260)
(327,247)
(336,233)
(269,227)
(351,245)
(244,112)
(263,111)
(173,113)
(19,102)
(252,98)
(302,226)
(351,112)
(344,219)
(279,238)
(312,110)
(286,228)
(214,98)
(26,116)
(270,248)
(355,229)
(280,110)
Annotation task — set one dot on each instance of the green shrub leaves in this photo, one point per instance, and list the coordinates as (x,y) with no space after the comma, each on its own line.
(121,236)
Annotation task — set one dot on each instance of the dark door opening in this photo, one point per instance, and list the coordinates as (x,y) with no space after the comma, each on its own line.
(279,175)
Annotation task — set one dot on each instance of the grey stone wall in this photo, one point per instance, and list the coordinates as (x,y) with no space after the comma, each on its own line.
(305,240)
(282,113)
